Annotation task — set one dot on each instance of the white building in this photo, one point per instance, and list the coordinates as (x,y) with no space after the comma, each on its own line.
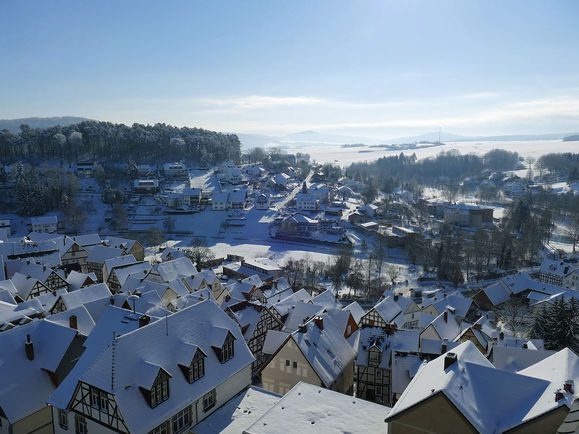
(45,224)
(163,377)
(306,202)
(262,202)
(219,201)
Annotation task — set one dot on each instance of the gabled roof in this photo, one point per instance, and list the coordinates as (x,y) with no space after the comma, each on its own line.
(356,310)
(119,261)
(327,299)
(25,383)
(85,322)
(195,325)
(327,351)
(76,280)
(300,313)
(312,409)
(85,295)
(139,270)
(515,359)
(490,399)
(556,369)
(387,309)
(24,284)
(99,254)
(446,325)
(285,305)
(176,269)
(460,304)
(273,340)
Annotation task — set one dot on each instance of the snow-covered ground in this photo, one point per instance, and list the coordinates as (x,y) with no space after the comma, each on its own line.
(345,156)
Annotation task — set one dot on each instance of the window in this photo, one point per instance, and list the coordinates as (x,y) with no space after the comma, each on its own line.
(208,400)
(98,399)
(378,391)
(227,349)
(160,389)
(197,368)
(295,364)
(287,362)
(182,420)
(80,424)
(378,374)
(374,358)
(63,419)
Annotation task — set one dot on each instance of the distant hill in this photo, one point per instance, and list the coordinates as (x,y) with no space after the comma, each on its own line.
(13,125)
(573,138)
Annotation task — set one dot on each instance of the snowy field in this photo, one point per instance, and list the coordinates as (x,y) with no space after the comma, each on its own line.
(347,156)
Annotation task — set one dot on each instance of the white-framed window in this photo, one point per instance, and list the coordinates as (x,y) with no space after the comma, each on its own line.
(63,419)
(80,424)
(182,420)
(227,351)
(98,399)
(209,400)
(197,368)
(160,389)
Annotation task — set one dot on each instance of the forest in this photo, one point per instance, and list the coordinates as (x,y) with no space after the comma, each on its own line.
(106,142)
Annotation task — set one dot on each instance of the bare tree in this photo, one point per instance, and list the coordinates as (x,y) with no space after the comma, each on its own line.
(514,315)
(393,272)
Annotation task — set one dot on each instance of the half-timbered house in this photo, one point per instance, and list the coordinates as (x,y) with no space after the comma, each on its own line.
(255,320)
(193,362)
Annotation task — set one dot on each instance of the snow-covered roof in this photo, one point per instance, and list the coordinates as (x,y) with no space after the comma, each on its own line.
(286,303)
(239,412)
(491,400)
(198,325)
(23,284)
(356,310)
(99,254)
(85,295)
(76,280)
(119,261)
(113,322)
(557,369)
(497,293)
(85,322)
(556,267)
(521,281)
(446,325)
(139,270)
(273,340)
(313,409)
(460,304)
(326,349)
(435,346)
(327,299)
(514,359)
(387,309)
(176,269)
(25,383)
(299,313)
(43,220)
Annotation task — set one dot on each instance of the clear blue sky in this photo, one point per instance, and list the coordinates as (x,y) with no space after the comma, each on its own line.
(371,68)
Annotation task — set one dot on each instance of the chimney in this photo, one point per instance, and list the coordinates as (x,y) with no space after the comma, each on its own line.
(445,316)
(73,322)
(501,336)
(525,346)
(302,328)
(395,297)
(559,395)
(144,320)
(227,297)
(319,322)
(444,347)
(477,326)
(29,347)
(258,307)
(568,386)
(112,301)
(449,359)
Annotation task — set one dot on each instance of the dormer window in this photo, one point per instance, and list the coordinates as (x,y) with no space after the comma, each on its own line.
(196,368)
(159,391)
(226,351)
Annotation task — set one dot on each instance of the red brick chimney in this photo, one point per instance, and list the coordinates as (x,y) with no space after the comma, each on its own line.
(319,322)
(559,395)
(302,328)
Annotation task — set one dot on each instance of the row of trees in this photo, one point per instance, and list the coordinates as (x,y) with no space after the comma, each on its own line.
(387,173)
(565,164)
(106,141)
(452,253)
